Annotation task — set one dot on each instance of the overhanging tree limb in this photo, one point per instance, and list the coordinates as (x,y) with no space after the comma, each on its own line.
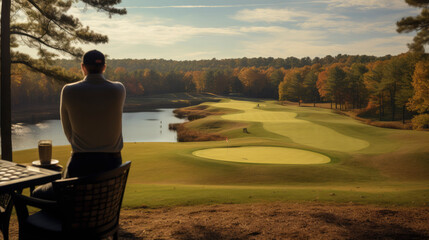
(40,40)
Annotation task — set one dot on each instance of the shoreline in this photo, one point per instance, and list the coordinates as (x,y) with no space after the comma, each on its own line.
(38,113)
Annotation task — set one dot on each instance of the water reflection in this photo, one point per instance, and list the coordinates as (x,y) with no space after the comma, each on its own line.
(137,127)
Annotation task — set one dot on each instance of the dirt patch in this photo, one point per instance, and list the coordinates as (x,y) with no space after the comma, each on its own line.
(272,221)
(276,221)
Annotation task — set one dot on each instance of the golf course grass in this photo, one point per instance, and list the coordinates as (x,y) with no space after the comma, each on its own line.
(345,160)
(300,131)
(263,155)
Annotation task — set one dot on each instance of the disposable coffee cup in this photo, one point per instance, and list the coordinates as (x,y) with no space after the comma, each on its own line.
(45,152)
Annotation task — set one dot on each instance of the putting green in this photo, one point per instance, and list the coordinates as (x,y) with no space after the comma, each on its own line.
(264,155)
(298,130)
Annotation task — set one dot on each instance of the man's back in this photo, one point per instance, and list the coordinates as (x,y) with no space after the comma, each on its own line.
(91,114)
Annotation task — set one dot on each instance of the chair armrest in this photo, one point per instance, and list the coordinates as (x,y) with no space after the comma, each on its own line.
(21,202)
(34,202)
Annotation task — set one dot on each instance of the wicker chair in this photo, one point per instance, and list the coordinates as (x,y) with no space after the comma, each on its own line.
(86,208)
(5,212)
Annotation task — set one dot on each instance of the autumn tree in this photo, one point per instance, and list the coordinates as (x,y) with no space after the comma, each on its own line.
(322,78)
(373,81)
(292,88)
(254,82)
(47,27)
(151,81)
(397,77)
(188,82)
(310,83)
(275,78)
(357,91)
(420,100)
(336,84)
(198,79)
(419,23)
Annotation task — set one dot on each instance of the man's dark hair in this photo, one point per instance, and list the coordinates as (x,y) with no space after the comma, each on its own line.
(94,61)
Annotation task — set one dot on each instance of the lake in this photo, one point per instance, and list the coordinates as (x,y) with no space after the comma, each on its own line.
(136,127)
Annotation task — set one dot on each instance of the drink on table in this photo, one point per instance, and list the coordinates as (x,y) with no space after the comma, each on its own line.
(45,151)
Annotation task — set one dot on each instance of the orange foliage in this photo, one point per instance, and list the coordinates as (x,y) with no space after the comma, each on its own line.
(420,100)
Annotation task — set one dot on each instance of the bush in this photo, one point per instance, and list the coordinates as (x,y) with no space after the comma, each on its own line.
(187,135)
(421,121)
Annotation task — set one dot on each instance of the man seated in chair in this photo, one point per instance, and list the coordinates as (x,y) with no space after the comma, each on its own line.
(91,116)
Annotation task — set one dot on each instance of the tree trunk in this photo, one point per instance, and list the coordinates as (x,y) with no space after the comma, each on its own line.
(392,101)
(403,114)
(5,112)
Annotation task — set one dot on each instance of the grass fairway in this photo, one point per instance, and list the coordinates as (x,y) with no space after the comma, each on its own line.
(287,124)
(263,155)
(368,165)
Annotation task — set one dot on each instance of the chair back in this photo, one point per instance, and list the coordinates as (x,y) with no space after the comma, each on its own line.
(90,205)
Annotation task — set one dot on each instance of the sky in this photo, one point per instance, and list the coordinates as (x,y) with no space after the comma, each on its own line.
(206,29)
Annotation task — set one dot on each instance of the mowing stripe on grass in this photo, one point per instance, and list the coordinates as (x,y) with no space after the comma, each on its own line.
(286,124)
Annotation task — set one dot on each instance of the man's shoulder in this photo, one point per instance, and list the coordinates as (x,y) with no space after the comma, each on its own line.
(115,83)
(70,86)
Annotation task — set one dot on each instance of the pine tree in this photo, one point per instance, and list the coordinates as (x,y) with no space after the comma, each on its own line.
(46,26)
(419,23)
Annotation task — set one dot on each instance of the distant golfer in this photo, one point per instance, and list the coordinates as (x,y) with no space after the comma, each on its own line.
(91,116)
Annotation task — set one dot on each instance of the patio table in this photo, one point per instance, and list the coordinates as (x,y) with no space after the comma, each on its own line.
(16,177)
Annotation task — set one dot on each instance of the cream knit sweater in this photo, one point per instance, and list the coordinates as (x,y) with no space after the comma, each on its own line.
(91,114)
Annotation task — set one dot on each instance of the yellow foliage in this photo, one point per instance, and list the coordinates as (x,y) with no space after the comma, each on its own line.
(420,100)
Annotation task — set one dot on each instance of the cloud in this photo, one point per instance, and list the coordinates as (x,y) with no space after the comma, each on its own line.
(284,47)
(309,20)
(199,6)
(269,15)
(366,4)
(262,32)
(347,26)
(199,54)
(283,33)
(135,29)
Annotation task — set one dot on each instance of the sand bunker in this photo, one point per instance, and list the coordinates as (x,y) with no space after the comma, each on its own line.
(263,155)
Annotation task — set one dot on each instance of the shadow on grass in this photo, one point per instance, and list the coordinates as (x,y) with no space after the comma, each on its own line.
(368,229)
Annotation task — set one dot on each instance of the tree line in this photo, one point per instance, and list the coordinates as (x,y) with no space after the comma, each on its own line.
(392,87)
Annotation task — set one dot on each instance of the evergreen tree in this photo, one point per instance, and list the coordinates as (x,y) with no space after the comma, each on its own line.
(336,84)
(419,23)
